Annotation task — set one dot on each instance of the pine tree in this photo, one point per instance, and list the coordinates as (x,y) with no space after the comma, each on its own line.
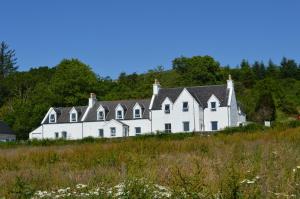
(8,60)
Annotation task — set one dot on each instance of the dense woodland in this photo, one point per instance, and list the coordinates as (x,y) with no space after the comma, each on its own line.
(266,91)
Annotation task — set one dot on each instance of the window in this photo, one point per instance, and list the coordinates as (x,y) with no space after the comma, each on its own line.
(101,133)
(186,126)
(100,115)
(168,128)
(138,130)
(137,113)
(214,126)
(64,135)
(52,118)
(167,108)
(213,106)
(113,131)
(56,135)
(185,106)
(119,115)
(73,117)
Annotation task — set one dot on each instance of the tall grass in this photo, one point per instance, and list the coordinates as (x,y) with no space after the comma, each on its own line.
(239,165)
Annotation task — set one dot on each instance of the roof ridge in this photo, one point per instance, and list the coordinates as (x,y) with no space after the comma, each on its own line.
(70,107)
(195,86)
(124,100)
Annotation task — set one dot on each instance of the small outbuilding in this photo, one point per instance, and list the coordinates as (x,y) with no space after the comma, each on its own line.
(6,134)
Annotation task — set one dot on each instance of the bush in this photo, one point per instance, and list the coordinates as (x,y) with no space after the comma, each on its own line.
(286,125)
(247,129)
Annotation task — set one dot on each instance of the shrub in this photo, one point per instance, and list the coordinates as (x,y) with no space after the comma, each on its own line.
(254,127)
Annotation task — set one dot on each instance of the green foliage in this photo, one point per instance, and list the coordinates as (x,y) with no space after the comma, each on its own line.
(8,60)
(72,82)
(244,129)
(265,108)
(22,190)
(199,70)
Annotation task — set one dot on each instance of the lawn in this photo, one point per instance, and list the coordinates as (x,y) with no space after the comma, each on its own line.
(263,164)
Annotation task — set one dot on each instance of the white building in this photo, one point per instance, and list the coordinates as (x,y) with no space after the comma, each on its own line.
(187,109)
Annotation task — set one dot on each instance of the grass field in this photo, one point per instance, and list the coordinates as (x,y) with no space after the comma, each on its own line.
(240,165)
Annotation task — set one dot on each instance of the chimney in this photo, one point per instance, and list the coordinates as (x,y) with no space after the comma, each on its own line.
(156,87)
(92,100)
(229,82)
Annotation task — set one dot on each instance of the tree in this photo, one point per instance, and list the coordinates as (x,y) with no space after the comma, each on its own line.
(272,70)
(72,83)
(8,60)
(197,70)
(289,68)
(265,108)
(247,75)
(259,70)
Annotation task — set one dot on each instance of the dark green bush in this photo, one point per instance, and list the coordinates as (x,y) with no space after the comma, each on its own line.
(247,129)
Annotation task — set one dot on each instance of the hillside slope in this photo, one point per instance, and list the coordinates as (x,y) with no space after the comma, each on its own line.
(259,165)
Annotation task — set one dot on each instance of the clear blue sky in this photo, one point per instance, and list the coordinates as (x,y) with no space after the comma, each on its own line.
(135,35)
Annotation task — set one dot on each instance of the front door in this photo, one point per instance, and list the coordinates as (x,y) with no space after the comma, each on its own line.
(126,130)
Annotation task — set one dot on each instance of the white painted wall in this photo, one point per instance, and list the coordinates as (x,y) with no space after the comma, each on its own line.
(145,125)
(36,133)
(177,116)
(74,130)
(221,116)
(92,128)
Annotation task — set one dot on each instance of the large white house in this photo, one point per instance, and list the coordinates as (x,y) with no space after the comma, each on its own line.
(186,109)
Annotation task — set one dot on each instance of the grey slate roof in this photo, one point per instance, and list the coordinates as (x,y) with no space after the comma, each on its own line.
(200,93)
(110,107)
(4,129)
(63,114)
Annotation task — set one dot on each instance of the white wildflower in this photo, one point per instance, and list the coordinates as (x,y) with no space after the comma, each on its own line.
(80,186)
(250,181)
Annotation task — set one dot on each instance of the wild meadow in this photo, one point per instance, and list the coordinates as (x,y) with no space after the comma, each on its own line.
(260,164)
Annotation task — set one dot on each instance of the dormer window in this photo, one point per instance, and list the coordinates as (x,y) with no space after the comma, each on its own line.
(213,106)
(73,117)
(100,115)
(185,106)
(137,113)
(52,118)
(119,115)
(167,108)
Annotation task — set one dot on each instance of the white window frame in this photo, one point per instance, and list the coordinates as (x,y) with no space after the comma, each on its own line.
(71,117)
(213,108)
(54,118)
(185,109)
(103,115)
(211,123)
(186,122)
(136,133)
(112,131)
(139,115)
(122,115)
(167,111)
(168,130)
